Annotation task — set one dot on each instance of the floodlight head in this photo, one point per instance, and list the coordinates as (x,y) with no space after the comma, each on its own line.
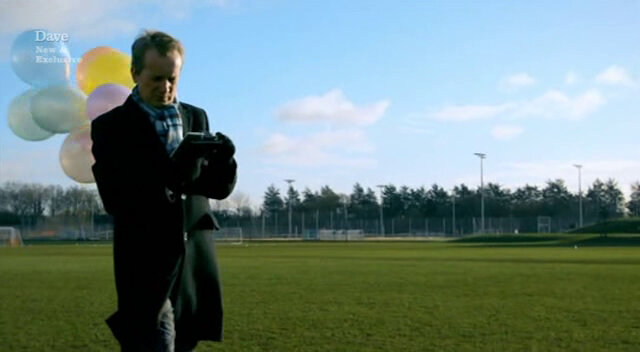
(289,181)
(579,166)
(480,155)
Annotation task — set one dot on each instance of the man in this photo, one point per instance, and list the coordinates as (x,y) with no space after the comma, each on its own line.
(166,274)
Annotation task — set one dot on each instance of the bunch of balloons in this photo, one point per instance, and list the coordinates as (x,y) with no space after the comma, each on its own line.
(52,105)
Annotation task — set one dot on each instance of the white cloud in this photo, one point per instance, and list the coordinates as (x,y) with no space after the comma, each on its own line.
(80,17)
(91,19)
(338,147)
(551,104)
(586,103)
(506,132)
(571,78)
(470,112)
(556,104)
(334,107)
(332,148)
(517,80)
(615,75)
(625,171)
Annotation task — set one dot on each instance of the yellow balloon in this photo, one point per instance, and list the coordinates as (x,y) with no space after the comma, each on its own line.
(104,65)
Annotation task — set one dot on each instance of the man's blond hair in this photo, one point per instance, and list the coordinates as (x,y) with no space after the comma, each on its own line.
(150,39)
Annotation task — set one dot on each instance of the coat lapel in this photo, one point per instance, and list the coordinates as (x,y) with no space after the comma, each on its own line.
(186,119)
(140,122)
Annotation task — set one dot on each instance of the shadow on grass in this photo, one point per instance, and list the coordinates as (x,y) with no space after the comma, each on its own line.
(509,238)
(611,241)
(618,226)
(557,240)
(373,259)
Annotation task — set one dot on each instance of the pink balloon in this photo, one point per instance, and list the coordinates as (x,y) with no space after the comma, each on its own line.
(105,98)
(75,155)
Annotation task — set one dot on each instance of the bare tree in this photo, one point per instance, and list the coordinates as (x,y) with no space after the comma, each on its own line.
(54,195)
(238,202)
(27,201)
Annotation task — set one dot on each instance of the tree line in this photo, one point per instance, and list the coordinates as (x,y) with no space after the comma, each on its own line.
(602,200)
(27,204)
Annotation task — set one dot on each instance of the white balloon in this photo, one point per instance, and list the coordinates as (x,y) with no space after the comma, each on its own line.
(59,109)
(21,121)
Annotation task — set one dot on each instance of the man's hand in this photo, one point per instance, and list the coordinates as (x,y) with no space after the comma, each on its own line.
(224,151)
(187,171)
(182,173)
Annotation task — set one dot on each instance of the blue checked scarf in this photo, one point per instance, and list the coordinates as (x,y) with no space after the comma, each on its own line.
(166,120)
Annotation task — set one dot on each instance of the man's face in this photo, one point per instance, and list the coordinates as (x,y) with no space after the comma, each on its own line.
(158,80)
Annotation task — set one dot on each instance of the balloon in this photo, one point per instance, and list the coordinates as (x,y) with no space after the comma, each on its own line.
(105,98)
(76,158)
(103,65)
(83,64)
(59,109)
(21,121)
(40,62)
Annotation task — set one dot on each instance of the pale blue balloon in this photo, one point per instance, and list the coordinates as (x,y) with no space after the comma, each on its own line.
(21,121)
(41,58)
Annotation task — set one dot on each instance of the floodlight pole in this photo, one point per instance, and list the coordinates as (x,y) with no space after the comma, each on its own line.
(579,167)
(289,181)
(345,199)
(453,212)
(381,215)
(481,156)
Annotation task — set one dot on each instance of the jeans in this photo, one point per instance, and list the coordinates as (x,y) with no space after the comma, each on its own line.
(160,340)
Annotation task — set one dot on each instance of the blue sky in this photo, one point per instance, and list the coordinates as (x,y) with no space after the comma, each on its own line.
(376,92)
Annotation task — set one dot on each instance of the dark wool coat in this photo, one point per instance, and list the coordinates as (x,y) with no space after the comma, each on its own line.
(162,243)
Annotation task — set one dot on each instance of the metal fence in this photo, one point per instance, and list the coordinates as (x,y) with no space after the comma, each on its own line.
(315,225)
(310,225)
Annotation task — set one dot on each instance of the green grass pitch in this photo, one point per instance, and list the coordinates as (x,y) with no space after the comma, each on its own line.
(382,296)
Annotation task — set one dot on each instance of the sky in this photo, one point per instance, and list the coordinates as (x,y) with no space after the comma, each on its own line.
(375,92)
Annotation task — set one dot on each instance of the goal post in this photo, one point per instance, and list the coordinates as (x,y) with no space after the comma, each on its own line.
(230,235)
(10,237)
(544,224)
